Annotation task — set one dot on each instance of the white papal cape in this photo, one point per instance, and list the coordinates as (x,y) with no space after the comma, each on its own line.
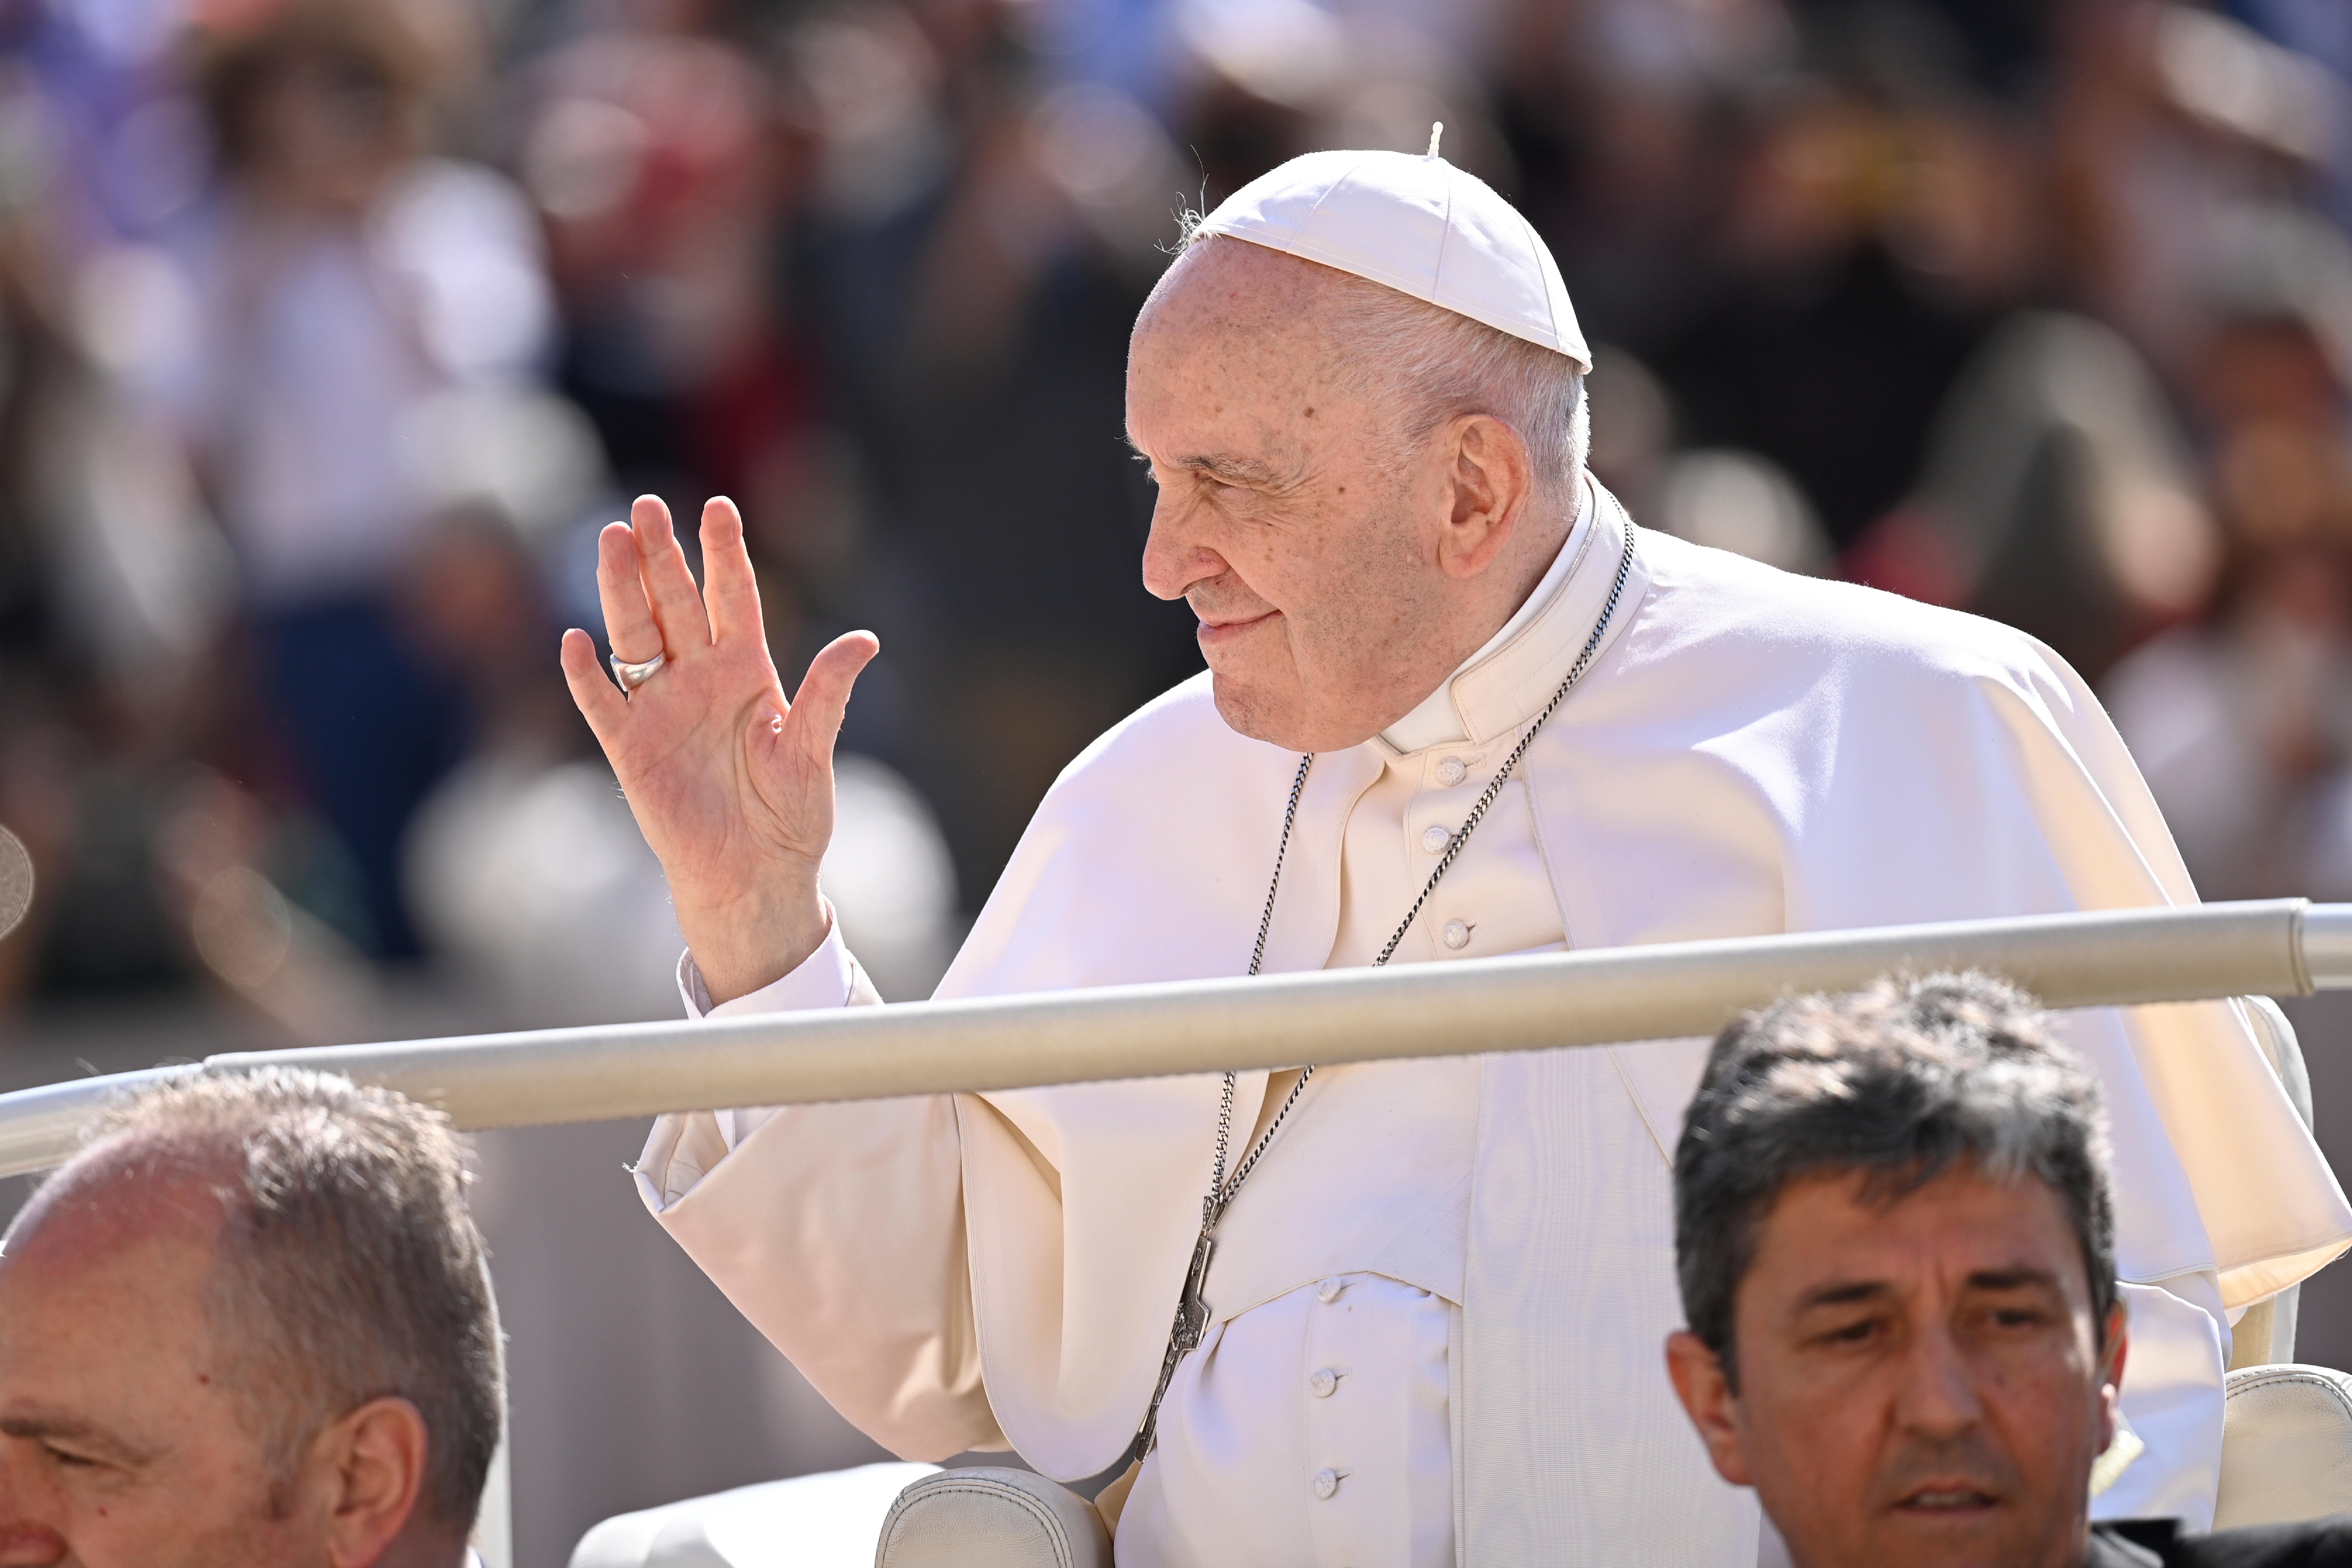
(1751,752)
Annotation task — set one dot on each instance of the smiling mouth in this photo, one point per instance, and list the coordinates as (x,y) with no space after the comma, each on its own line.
(1211,631)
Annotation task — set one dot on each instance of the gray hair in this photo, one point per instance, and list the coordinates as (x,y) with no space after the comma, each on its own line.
(1436,364)
(1901,1081)
(347,1267)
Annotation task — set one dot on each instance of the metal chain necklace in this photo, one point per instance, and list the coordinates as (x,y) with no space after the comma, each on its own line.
(1193,1307)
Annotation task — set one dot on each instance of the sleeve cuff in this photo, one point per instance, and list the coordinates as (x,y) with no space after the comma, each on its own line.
(824,979)
(679,1151)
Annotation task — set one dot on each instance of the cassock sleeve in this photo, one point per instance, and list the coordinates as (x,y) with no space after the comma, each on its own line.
(684,1145)
(837,1230)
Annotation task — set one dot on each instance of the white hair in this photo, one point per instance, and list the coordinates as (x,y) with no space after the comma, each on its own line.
(1436,365)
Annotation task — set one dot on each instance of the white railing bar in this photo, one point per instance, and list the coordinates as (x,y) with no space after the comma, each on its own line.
(1594,997)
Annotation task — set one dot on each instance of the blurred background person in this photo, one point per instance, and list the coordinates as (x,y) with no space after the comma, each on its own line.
(341,280)
(2242,720)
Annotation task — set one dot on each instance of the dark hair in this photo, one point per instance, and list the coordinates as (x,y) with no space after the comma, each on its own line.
(347,1267)
(1900,1081)
(366,46)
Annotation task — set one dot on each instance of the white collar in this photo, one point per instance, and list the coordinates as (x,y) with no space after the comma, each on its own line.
(1434,721)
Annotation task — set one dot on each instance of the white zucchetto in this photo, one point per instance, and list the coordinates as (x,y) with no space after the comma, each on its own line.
(1417,224)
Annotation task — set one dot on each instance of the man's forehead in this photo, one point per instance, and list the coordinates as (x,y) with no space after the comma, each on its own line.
(1230,372)
(118,1198)
(1221,278)
(1845,1225)
(102,1295)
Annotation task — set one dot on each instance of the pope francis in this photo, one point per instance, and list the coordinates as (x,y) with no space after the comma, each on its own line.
(1457,705)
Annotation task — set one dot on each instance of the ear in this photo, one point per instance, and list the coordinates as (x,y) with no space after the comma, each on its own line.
(374,1459)
(1488,478)
(2111,1371)
(1707,1399)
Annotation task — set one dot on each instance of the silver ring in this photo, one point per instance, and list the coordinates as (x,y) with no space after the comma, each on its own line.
(632,675)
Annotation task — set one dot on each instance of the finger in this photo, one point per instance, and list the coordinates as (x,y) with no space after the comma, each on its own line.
(729,586)
(601,703)
(669,583)
(629,629)
(823,697)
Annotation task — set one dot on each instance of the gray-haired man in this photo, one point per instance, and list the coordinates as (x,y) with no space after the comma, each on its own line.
(1895,1245)
(248,1324)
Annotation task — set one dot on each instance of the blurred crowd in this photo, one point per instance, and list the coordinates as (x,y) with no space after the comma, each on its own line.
(331,330)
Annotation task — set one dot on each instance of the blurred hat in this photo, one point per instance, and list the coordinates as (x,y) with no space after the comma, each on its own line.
(1417,224)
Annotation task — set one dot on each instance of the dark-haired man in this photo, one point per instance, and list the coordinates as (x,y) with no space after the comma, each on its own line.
(1895,1245)
(248,1324)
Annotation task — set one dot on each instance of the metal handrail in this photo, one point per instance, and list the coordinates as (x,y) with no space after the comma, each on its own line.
(1599,996)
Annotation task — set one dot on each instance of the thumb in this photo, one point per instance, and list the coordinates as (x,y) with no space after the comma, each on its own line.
(823,697)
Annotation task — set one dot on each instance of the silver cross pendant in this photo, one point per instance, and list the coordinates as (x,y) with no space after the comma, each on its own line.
(1183,1337)
(1192,1308)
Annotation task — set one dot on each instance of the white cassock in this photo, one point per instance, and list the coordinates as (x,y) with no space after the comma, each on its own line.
(1439,1303)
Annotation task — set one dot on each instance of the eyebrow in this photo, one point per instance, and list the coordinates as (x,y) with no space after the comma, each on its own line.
(38,1425)
(1231,466)
(2018,1277)
(1843,1293)
(1847,1292)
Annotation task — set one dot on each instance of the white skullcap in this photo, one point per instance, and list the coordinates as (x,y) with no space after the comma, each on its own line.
(1418,225)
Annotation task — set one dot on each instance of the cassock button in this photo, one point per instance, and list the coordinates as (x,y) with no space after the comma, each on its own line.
(1455,935)
(1322,1381)
(1326,1483)
(1435,839)
(1452,772)
(1328,1290)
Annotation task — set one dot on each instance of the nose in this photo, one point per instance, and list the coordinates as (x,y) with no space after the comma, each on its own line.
(1174,558)
(1938,1394)
(25,1540)
(30,1546)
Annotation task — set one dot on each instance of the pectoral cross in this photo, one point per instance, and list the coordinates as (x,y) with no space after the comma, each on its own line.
(1193,1307)
(1191,1324)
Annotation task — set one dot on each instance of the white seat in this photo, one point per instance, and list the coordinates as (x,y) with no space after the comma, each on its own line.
(991,1518)
(829,1521)
(2287,1446)
(2264,1336)
(2287,1429)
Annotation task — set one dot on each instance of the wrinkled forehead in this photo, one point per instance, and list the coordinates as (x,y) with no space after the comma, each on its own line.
(1225,296)
(1236,333)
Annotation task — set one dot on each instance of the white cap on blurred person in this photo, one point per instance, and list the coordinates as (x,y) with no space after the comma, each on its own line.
(1418,225)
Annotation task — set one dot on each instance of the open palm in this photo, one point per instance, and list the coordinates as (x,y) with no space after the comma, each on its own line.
(730,783)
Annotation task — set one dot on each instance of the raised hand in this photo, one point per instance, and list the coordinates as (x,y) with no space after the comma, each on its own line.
(731,785)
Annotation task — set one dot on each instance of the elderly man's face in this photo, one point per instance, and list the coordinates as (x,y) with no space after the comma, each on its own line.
(1918,1384)
(1334,570)
(122,1441)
